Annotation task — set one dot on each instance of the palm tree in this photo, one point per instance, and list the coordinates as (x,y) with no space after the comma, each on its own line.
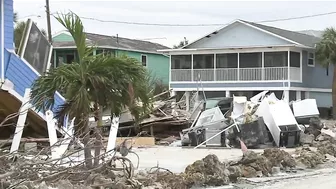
(108,82)
(326,55)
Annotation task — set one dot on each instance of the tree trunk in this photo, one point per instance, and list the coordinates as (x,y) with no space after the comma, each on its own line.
(334,94)
(98,134)
(87,146)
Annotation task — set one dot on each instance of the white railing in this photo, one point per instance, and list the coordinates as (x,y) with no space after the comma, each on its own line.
(226,74)
(204,74)
(276,73)
(181,75)
(237,74)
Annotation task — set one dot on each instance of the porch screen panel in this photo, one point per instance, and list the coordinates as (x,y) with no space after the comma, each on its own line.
(276,65)
(295,59)
(295,72)
(276,59)
(203,66)
(180,67)
(250,66)
(227,67)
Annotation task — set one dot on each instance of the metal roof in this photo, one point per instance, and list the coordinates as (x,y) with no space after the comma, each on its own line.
(115,43)
(304,39)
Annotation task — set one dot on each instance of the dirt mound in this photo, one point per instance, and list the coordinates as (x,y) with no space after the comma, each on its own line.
(279,158)
(310,158)
(327,147)
(253,162)
(208,171)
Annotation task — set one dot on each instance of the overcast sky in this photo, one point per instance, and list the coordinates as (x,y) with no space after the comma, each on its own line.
(178,12)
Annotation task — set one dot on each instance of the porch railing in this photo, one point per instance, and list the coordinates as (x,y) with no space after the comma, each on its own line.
(237,74)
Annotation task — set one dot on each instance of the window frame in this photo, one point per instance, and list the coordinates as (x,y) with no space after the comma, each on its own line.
(309,58)
(144,55)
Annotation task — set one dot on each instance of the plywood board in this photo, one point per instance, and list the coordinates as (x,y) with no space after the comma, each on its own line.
(137,141)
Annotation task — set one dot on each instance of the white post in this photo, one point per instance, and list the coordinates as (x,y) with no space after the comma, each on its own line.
(298,95)
(68,135)
(307,95)
(187,100)
(288,60)
(227,93)
(170,69)
(111,144)
(215,57)
(263,66)
(21,121)
(52,134)
(286,96)
(192,67)
(238,68)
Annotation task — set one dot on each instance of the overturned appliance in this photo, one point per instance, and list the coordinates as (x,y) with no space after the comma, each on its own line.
(280,121)
(209,123)
(304,110)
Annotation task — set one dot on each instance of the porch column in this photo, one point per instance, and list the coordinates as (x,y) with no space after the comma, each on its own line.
(192,67)
(286,96)
(238,68)
(307,95)
(55,58)
(227,93)
(214,67)
(288,60)
(262,65)
(187,100)
(298,95)
(173,104)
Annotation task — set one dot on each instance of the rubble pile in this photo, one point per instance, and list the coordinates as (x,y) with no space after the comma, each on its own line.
(279,158)
(252,163)
(309,158)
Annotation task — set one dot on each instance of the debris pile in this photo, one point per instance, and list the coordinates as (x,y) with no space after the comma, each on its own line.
(309,158)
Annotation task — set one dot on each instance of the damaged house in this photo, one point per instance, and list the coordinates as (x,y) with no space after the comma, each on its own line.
(245,58)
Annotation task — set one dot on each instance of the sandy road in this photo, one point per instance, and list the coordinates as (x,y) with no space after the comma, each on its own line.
(325,181)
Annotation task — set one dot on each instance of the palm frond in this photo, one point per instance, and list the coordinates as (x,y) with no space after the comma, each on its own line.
(74,25)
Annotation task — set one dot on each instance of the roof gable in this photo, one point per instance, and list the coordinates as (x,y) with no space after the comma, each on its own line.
(63,37)
(236,35)
(248,34)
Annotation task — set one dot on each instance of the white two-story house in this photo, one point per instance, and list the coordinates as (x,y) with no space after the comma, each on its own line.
(245,58)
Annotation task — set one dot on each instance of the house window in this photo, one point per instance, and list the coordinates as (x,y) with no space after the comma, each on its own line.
(311,59)
(144,60)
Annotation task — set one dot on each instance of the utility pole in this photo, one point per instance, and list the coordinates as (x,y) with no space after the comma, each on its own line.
(48,21)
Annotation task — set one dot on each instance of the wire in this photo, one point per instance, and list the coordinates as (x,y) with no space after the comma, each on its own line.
(299,17)
(201,25)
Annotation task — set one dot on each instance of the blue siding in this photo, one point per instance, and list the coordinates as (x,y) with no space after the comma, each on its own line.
(1,47)
(9,24)
(322,99)
(315,77)
(238,35)
(223,85)
(22,76)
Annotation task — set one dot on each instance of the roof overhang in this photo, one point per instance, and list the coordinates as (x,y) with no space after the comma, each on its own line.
(115,48)
(231,48)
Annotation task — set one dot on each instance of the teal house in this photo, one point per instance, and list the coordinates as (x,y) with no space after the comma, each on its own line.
(145,52)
